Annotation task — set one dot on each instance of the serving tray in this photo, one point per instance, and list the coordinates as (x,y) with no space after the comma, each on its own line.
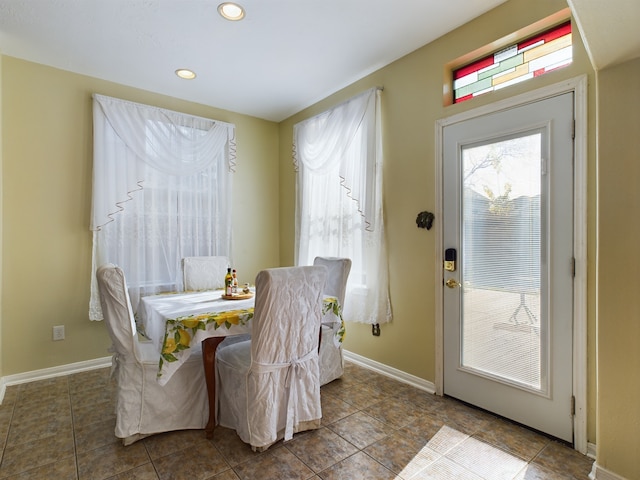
(238,296)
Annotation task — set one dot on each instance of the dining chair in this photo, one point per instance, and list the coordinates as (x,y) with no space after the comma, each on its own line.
(143,406)
(204,273)
(269,386)
(331,356)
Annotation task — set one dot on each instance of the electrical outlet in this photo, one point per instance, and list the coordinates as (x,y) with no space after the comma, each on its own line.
(58,332)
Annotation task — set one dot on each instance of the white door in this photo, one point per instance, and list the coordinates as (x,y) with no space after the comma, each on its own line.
(508,296)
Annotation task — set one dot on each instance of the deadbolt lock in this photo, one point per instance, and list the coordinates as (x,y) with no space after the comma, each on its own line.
(450,255)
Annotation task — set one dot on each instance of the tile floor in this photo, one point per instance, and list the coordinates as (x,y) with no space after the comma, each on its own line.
(373,428)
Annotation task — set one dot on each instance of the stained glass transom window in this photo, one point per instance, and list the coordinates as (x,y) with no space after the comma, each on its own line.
(530,58)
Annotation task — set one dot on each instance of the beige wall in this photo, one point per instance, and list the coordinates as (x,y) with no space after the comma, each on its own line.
(411,104)
(618,333)
(46,254)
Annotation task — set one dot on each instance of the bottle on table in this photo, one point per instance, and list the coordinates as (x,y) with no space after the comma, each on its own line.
(234,282)
(228,283)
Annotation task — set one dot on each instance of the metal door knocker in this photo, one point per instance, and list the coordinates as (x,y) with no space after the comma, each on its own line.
(425,220)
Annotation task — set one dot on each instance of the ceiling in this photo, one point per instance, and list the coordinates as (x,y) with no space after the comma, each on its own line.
(284,56)
(609,29)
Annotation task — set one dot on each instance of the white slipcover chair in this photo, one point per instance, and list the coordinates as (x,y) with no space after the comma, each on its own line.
(268,386)
(331,357)
(143,407)
(204,273)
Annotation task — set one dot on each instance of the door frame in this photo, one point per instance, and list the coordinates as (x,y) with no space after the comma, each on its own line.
(578,86)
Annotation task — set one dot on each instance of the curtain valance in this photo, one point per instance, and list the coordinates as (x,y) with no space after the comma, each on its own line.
(326,142)
(172,143)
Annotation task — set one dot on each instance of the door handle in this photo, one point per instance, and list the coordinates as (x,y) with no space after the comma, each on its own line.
(452,283)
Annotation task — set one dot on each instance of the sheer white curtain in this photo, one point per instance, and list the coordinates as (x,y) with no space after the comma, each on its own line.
(338,158)
(161,191)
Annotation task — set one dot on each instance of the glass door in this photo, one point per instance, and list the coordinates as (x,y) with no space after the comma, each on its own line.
(508,221)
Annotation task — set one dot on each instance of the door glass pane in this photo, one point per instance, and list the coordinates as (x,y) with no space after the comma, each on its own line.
(501,254)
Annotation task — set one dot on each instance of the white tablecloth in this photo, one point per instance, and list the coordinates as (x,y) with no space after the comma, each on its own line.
(177,323)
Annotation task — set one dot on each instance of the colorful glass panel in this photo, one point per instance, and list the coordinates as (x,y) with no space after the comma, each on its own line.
(530,58)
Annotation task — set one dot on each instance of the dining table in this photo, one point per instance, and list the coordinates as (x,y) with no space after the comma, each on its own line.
(181,324)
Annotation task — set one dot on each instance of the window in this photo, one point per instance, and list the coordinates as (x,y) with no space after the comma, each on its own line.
(161,190)
(530,58)
(338,157)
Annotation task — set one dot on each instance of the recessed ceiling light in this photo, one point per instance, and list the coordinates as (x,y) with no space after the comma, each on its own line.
(186,73)
(231,11)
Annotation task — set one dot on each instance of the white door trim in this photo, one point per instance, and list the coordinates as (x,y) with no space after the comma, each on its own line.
(578,85)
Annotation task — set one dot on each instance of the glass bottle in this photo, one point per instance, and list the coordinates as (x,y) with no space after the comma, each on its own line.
(234,282)
(228,283)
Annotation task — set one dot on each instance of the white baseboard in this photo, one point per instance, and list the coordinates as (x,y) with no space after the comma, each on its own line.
(68,369)
(599,473)
(390,372)
(45,373)
(591,450)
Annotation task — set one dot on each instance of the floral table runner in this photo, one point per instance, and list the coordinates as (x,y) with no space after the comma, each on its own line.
(332,306)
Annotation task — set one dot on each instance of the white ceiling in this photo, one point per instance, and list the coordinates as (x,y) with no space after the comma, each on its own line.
(284,56)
